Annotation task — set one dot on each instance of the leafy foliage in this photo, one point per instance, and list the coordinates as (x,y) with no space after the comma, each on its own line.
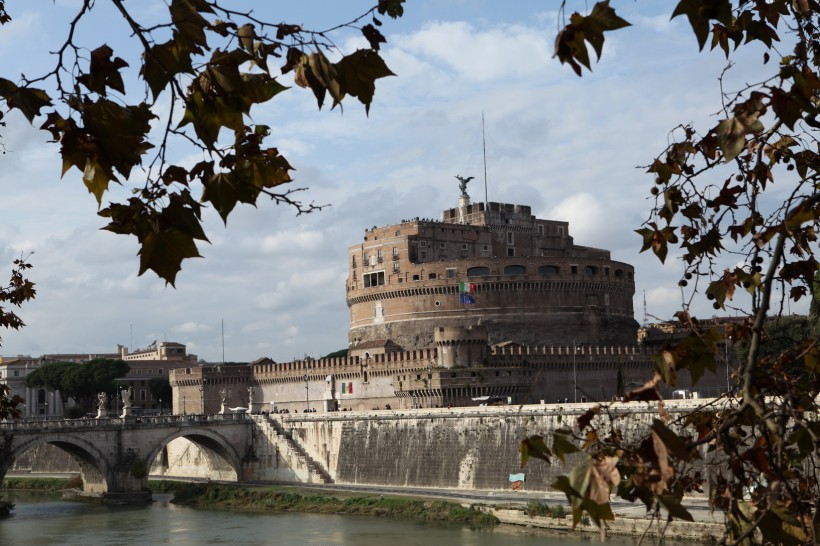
(714,204)
(210,66)
(80,380)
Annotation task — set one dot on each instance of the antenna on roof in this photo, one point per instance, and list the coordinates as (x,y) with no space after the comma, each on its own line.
(484,151)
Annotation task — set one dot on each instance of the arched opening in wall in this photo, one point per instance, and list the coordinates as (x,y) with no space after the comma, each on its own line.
(195,455)
(60,457)
(416,277)
(515,270)
(478,272)
(548,270)
(432,276)
(590,270)
(619,272)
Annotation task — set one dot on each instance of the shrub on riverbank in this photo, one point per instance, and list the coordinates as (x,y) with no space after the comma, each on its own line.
(39,484)
(279,500)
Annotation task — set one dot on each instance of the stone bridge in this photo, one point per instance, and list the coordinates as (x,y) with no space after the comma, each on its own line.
(114,455)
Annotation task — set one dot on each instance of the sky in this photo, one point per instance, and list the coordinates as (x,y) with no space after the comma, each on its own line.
(569,147)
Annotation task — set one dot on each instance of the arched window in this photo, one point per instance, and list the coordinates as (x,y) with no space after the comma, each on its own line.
(515,270)
(478,272)
(619,272)
(548,270)
(432,276)
(590,270)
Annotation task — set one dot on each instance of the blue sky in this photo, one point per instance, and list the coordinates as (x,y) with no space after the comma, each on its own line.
(567,146)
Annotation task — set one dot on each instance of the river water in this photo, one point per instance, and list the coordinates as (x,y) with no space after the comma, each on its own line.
(45,521)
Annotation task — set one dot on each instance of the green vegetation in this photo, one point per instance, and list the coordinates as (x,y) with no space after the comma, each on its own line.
(277,499)
(42,484)
(542,509)
(80,380)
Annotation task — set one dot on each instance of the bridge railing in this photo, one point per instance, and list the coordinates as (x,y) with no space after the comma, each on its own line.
(29,425)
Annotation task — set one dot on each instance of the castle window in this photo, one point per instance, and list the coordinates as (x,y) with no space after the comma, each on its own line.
(442,246)
(510,238)
(398,233)
(619,272)
(560,231)
(590,270)
(380,255)
(373,279)
(416,277)
(395,267)
(451,273)
(354,262)
(432,276)
(606,271)
(395,253)
(511,252)
(629,275)
(464,247)
(423,255)
(478,272)
(422,244)
(574,269)
(548,270)
(366,258)
(515,270)
(541,229)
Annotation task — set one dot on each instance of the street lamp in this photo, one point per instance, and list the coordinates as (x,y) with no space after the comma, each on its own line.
(160,406)
(574,374)
(307,399)
(202,395)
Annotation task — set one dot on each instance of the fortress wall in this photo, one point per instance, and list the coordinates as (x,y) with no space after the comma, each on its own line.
(474,448)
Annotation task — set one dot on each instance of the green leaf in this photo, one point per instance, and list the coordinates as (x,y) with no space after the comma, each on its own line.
(28,100)
(163,252)
(534,446)
(699,13)
(103,72)
(357,74)
(562,443)
(162,62)
(393,8)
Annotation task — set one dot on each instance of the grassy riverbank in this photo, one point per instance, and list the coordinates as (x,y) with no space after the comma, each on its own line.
(41,484)
(282,499)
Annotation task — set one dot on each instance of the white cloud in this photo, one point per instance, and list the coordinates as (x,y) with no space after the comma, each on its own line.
(566,146)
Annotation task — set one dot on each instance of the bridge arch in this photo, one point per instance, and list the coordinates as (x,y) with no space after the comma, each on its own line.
(95,469)
(216,448)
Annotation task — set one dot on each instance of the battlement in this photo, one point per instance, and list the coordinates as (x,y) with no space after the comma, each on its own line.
(567,350)
(339,365)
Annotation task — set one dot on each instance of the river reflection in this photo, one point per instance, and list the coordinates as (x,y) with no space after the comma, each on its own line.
(46,520)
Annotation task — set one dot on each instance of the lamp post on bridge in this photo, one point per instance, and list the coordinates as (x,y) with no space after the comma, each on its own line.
(202,396)
(574,374)
(307,398)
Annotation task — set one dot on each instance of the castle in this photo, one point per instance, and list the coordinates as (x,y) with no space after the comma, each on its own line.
(488,303)
(525,280)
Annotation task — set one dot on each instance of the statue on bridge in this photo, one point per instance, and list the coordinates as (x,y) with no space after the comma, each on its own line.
(223,396)
(250,399)
(102,399)
(126,402)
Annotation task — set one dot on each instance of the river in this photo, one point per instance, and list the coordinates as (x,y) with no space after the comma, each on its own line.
(45,521)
